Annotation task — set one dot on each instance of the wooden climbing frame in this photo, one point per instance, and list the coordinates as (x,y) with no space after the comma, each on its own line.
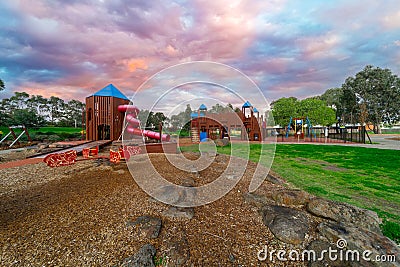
(16,138)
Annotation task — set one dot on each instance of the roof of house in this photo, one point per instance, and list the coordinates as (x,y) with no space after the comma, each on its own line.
(111,90)
(246,105)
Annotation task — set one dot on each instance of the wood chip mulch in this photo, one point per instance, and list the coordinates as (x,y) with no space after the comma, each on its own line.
(77,216)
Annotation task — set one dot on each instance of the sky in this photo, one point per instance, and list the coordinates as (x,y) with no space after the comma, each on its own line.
(73,48)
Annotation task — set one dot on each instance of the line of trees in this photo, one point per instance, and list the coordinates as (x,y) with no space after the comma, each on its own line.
(371,96)
(315,109)
(36,111)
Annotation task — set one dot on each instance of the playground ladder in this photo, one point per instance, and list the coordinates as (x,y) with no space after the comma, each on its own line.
(195,135)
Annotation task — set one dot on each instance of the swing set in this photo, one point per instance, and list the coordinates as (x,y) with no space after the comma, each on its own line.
(302,127)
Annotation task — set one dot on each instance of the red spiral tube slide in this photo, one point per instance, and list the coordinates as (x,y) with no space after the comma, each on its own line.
(134,123)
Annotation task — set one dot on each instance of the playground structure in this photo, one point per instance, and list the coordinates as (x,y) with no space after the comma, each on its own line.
(133,124)
(302,130)
(302,127)
(14,135)
(103,120)
(105,113)
(246,124)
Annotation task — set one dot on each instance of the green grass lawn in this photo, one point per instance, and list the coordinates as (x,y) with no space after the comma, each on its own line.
(53,133)
(365,177)
(53,129)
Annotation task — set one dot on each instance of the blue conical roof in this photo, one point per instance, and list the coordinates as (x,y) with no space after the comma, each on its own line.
(202,107)
(111,90)
(246,105)
(255,110)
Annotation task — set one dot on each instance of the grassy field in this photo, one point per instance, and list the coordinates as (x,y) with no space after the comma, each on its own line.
(55,130)
(48,133)
(365,177)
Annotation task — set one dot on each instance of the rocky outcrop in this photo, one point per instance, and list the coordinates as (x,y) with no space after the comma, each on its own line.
(288,225)
(363,245)
(292,197)
(292,215)
(143,258)
(345,214)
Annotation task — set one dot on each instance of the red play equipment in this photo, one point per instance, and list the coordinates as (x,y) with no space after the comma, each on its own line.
(133,124)
(70,157)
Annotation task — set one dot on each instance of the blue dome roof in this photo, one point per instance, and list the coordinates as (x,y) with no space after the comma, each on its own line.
(202,107)
(246,105)
(111,90)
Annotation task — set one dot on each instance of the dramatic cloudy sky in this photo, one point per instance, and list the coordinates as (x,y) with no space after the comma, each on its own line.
(71,48)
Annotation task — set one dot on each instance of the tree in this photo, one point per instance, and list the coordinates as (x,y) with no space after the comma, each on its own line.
(217,108)
(2,86)
(185,121)
(56,109)
(27,117)
(283,109)
(19,100)
(313,108)
(73,113)
(379,90)
(317,111)
(39,104)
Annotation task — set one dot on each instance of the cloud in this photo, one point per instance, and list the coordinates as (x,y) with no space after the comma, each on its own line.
(74,48)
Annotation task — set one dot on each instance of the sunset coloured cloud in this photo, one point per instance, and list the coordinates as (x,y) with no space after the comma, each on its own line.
(289,48)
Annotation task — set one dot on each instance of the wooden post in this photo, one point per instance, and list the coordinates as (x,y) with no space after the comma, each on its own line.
(27,134)
(14,135)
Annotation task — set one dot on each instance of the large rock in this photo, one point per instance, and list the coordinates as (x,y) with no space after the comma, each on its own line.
(148,226)
(345,213)
(275,178)
(257,200)
(143,258)
(288,225)
(292,197)
(357,241)
(221,142)
(178,253)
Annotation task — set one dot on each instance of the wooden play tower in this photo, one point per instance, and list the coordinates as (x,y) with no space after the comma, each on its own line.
(103,120)
(219,125)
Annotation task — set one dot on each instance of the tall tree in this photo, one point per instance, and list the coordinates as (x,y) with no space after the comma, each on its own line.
(379,90)
(2,85)
(56,109)
(72,114)
(27,118)
(19,100)
(313,108)
(283,109)
(317,111)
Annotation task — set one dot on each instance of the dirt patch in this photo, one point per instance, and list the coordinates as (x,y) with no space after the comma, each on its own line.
(324,164)
(77,216)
